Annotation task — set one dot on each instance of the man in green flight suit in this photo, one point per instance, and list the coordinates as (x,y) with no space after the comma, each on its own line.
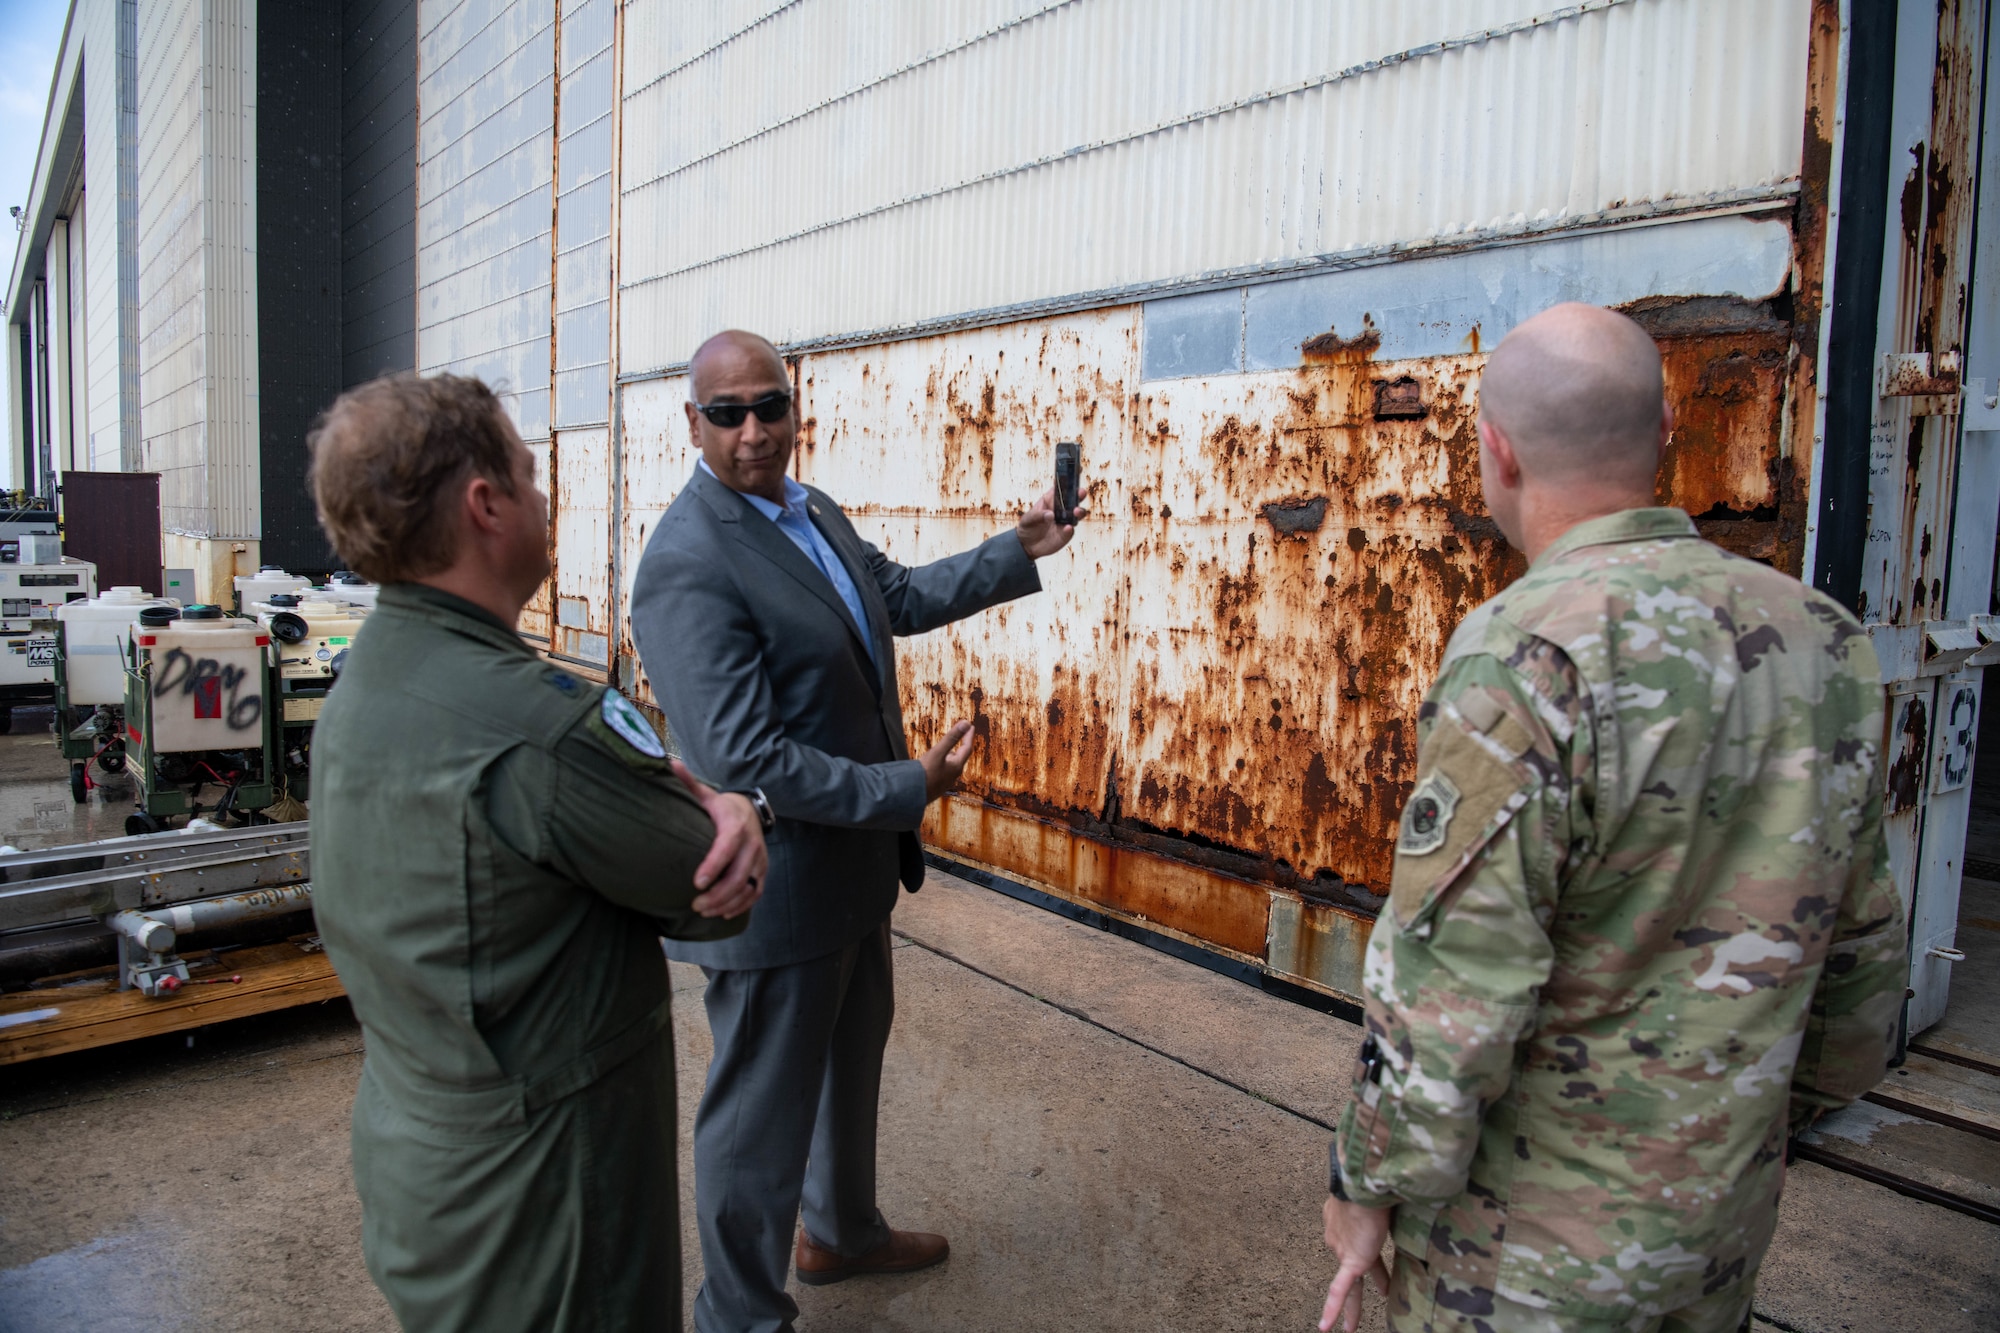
(1640,923)
(497,847)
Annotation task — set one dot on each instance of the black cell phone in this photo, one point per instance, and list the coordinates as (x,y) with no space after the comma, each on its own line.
(1069,477)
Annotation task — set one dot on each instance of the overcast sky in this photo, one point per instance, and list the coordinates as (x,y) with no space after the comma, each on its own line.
(30,32)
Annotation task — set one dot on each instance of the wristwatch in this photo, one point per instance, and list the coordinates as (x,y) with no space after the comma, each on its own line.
(766,816)
(1333,1185)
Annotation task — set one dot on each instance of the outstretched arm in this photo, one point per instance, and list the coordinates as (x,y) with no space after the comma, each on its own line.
(997,570)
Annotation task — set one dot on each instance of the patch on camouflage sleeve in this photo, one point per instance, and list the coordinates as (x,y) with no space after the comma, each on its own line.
(1464,796)
(1427,816)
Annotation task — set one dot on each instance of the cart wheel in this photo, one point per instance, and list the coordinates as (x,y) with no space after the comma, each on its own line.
(112,760)
(79,784)
(139,822)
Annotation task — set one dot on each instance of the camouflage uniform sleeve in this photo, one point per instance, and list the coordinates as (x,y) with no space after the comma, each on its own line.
(1851,1029)
(1459,954)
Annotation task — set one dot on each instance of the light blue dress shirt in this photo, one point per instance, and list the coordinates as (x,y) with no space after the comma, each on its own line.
(794,522)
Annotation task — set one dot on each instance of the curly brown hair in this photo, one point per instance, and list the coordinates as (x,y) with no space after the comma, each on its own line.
(389,453)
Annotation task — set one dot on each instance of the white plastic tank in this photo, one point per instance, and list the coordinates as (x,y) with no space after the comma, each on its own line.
(207,681)
(270,579)
(94,635)
(350,588)
(313,633)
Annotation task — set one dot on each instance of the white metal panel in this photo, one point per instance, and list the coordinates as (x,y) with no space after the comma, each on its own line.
(486,164)
(63,425)
(1111,145)
(229,167)
(197,264)
(173,410)
(581,464)
(657,458)
(666,35)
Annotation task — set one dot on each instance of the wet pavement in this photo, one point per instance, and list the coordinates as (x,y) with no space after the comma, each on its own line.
(36,807)
(1111,1138)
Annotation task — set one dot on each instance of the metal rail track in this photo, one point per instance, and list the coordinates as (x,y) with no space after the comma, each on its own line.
(1893,1180)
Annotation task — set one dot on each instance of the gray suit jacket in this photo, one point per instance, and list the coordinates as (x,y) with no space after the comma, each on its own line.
(765,683)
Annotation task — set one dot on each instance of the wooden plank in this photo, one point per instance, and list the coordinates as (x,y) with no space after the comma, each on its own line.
(92,1011)
(1969,1096)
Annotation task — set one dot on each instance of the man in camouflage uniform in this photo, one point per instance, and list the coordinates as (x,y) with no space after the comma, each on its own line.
(1640,923)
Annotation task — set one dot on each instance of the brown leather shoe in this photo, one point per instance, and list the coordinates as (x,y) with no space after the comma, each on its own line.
(903,1252)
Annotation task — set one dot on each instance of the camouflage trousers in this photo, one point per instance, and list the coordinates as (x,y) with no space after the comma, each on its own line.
(1419,1303)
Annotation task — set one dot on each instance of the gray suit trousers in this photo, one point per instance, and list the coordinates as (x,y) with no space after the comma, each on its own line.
(792,1092)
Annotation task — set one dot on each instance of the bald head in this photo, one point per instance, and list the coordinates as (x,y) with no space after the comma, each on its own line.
(733,377)
(731,354)
(1577,389)
(1572,422)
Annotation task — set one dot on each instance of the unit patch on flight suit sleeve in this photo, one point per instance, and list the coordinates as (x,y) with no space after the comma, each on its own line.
(629,734)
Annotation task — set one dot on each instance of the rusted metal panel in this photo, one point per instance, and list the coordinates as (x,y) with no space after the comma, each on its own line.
(1813,224)
(1161,892)
(538,615)
(1915,457)
(1325,947)
(1277,662)
(1925,304)
(1223,672)
(581,462)
(935,444)
(923,188)
(1205,723)
(657,458)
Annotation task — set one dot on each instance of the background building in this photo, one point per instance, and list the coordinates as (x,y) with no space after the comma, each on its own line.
(219,239)
(1250,254)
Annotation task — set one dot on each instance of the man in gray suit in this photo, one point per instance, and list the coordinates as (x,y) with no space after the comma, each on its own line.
(767,628)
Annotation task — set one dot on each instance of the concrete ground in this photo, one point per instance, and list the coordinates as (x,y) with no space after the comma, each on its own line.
(1112,1138)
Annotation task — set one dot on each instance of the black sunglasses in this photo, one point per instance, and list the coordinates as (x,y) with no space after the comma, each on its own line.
(771,407)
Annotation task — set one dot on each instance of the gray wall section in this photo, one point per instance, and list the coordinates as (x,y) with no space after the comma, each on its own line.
(378,123)
(583,217)
(298,263)
(336,233)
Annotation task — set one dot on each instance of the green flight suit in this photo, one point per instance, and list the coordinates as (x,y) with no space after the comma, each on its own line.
(493,864)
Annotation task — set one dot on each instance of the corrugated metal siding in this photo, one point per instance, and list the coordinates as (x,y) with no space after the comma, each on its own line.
(172,361)
(378,175)
(988,155)
(486,157)
(110,289)
(229,161)
(583,216)
(197,290)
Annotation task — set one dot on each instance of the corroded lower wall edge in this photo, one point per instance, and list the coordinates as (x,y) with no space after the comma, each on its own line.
(1272,930)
